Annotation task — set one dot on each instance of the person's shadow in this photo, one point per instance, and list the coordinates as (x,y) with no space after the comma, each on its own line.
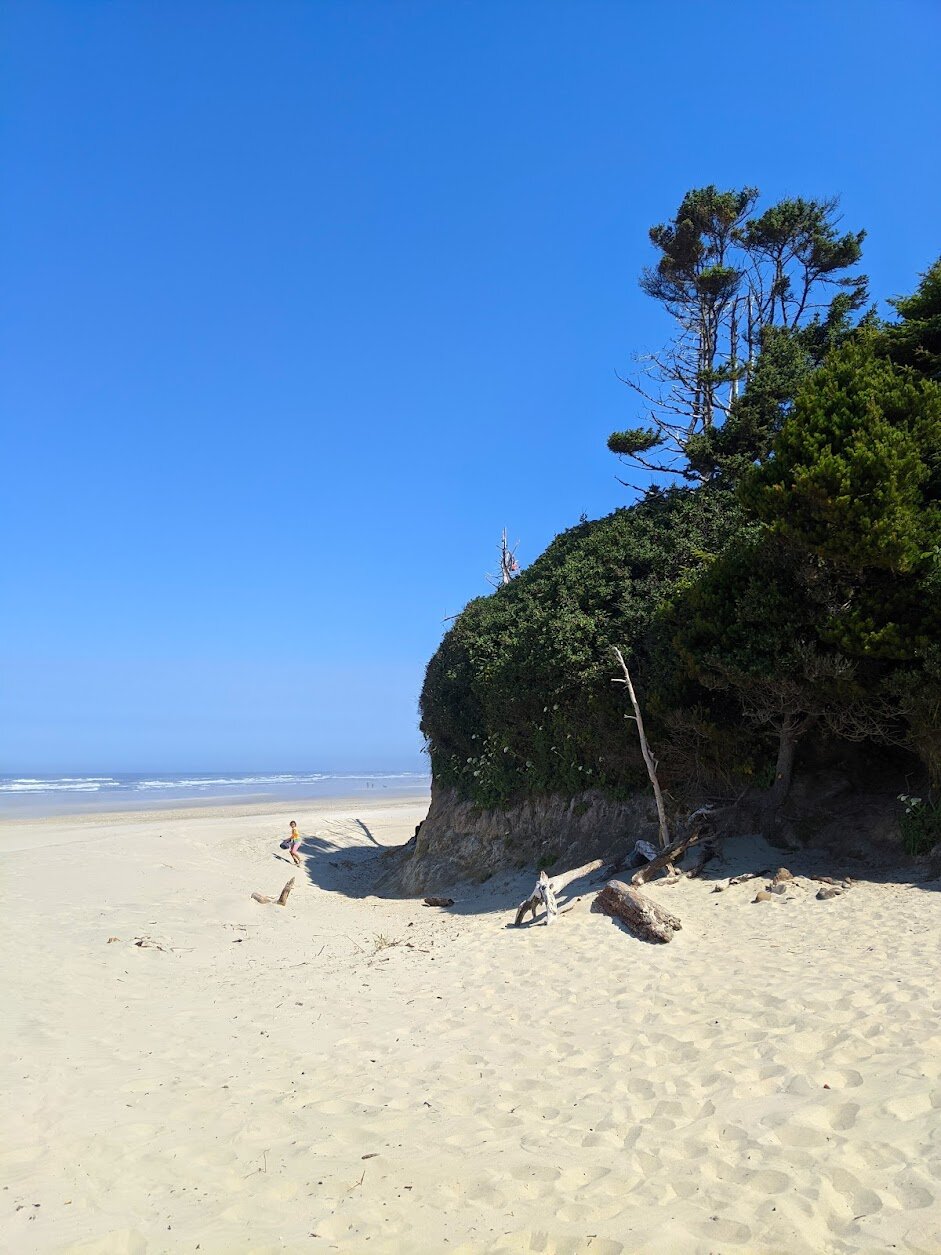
(344,856)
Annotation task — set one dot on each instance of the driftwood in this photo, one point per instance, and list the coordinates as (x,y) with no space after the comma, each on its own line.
(672,854)
(740,880)
(542,895)
(281,900)
(641,916)
(642,849)
(545,890)
(438,901)
(707,853)
(564,879)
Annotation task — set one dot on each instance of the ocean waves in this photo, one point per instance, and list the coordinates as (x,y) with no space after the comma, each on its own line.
(196,784)
(59,784)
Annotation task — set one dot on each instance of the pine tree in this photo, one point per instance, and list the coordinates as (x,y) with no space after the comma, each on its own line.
(856,471)
(728,280)
(916,339)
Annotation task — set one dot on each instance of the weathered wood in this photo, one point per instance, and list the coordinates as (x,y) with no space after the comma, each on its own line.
(628,859)
(281,899)
(542,895)
(707,853)
(546,890)
(564,879)
(740,880)
(529,904)
(665,859)
(702,827)
(640,915)
(548,896)
(438,901)
(649,759)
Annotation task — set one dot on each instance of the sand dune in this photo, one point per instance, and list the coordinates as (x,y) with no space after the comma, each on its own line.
(357,1074)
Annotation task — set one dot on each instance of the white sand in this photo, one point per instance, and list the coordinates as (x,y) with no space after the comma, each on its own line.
(283,1080)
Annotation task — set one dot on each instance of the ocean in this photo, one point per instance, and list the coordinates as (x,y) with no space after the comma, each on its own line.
(36,797)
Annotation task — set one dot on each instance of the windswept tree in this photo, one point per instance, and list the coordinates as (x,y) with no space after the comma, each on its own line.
(727,277)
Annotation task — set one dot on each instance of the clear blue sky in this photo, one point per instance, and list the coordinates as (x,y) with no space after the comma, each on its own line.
(302,302)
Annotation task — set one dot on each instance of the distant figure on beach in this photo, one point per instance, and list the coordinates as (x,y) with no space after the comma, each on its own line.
(292,844)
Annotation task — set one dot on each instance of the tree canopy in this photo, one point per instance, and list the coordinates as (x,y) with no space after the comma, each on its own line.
(795,591)
(728,277)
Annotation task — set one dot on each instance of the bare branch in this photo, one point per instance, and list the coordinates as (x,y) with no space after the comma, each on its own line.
(649,759)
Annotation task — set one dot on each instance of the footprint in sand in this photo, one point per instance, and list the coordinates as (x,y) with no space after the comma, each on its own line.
(601,1139)
(800,1136)
(844,1078)
(861,1200)
(769,1181)
(912,1194)
(844,1117)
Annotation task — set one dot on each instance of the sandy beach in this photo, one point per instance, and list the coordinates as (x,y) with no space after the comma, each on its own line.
(351,1073)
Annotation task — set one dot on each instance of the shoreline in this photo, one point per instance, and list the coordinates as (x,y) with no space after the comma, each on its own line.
(216,808)
(58,832)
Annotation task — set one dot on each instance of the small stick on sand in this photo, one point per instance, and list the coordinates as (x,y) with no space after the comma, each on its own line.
(740,880)
(282,900)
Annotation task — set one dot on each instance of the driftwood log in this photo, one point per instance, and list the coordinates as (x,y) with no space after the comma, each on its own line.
(282,898)
(542,895)
(702,828)
(665,860)
(564,879)
(641,916)
(545,891)
(706,854)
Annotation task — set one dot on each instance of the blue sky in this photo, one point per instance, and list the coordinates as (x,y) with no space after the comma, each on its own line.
(303,302)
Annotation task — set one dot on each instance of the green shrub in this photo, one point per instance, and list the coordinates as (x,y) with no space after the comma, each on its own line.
(519,700)
(920,824)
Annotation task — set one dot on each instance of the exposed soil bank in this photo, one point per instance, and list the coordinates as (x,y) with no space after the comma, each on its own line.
(461,841)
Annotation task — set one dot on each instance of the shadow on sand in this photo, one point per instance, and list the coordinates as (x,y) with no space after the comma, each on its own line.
(346,857)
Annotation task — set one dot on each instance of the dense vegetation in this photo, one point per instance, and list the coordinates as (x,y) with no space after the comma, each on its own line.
(790,585)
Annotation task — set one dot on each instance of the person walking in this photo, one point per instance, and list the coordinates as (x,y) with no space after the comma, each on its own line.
(292,843)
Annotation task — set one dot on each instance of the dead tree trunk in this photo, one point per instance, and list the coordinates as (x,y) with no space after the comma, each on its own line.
(645,750)
(509,566)
(638,914)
